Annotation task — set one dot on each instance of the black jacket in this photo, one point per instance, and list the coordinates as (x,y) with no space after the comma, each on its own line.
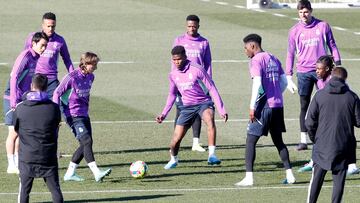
(330,120)
(37,122)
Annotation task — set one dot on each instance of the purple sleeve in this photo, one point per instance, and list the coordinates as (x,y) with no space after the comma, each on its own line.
(64,52)
(210,85)
(290,54)
(171,97)
(17,70)
(207,60)
(64,85)
(330,40)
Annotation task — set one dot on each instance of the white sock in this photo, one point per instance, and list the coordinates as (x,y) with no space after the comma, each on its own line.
(93,167)
(173,158)
(290,176)
(212,150)
(351,166)
(195,141)
(311,163)
(249,175)
(71,169)
(11,162)
(16,159)
(303,136)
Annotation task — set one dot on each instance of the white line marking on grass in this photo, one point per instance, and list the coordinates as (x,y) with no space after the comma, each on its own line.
(259,10)
(339,28)
(238,6)
(112,62)
(279,15)
(3,64)
(357,33)
(205,0)
(297,19)
(181,190)
(222,3)
(167,121)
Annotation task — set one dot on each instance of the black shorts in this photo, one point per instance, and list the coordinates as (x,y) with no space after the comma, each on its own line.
(266,119)
(189,113)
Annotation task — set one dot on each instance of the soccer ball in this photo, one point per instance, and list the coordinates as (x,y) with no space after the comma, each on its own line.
(138,169)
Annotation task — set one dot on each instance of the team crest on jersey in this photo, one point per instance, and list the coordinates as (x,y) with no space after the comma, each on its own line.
(177,78)
(201,46)
(55,45)
(190,76)
(302,35)
(186,45)
(81,129)
(193,44)
(317,32)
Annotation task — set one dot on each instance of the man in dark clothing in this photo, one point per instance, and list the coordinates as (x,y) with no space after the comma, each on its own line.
(330,120)
(36,120)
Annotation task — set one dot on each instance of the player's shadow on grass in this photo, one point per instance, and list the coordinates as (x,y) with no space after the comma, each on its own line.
(120,199)
(218,147)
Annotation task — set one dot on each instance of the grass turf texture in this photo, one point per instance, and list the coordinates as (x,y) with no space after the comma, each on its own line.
(142,32)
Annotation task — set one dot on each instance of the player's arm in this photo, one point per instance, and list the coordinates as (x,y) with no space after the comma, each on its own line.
(63,87)
(17,72)
(256,85)
(207,59)
(330,40)
(64,52)
(357,112)
(290,63)
(312,118)
(214,93)
(169,101)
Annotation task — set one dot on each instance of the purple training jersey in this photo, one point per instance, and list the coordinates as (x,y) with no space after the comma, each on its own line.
(187,83)
(268,67)
(309,42)
(74,93)
(48,61)
(21,75)
(197,50)
(321,83)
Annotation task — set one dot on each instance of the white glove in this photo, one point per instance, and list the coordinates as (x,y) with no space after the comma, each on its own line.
(290,84)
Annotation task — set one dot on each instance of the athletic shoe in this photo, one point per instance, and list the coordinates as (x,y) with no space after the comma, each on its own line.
(305,168)
(245,182)
(288,181)
(170,165)
(12,170)
(101,175)
(302,146)
(198,147)
(213,160)
(74,177)
(352,171)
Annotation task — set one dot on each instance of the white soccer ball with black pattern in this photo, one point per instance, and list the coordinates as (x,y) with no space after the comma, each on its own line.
(138,169)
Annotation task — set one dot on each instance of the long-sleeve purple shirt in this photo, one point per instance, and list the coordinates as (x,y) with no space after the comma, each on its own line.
(186,81)
(48,61)
(309,42)
(321,83)
(74,92)
(197,50)
(21,75)
(268,67)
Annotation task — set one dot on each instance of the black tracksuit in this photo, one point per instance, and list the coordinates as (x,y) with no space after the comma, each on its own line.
(36,120)
(330,120)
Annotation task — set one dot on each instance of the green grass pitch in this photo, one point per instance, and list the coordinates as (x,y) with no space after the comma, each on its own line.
(140,33)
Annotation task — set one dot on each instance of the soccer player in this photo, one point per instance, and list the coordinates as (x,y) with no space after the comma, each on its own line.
(185,80)
(197,51)
(48,61)
(266,106)
(324,66)
(73,94)
(308,40)
(332,115)
(38,140)
(19,83)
